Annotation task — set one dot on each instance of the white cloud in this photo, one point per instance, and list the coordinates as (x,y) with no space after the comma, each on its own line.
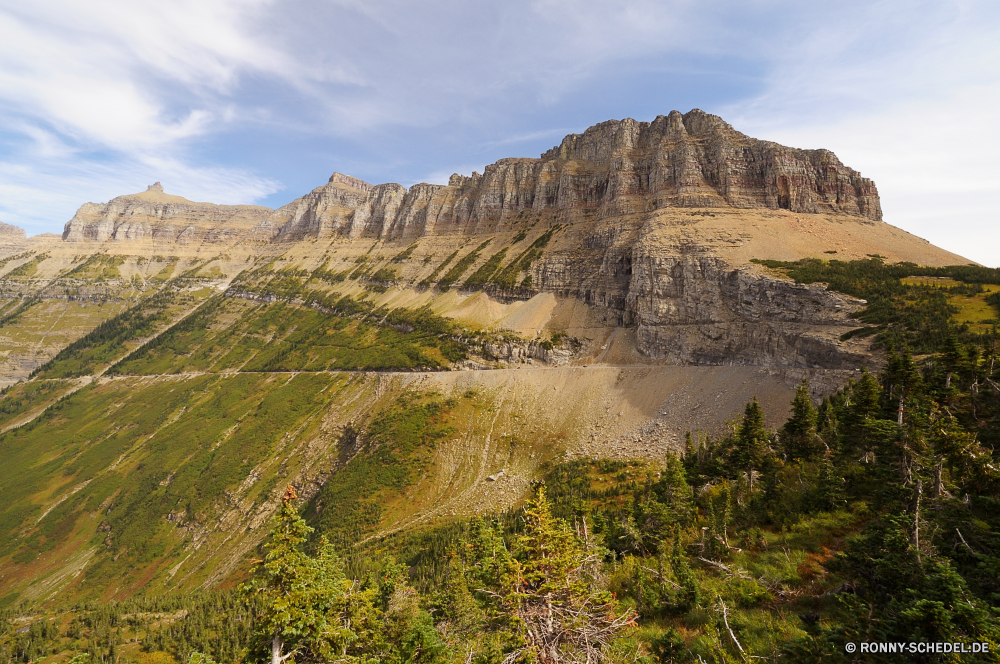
(107,96)
(908,99)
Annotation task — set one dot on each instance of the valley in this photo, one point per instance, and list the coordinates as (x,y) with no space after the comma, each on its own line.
(409,359)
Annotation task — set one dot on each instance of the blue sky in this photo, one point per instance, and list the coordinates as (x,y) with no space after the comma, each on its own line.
(258,101)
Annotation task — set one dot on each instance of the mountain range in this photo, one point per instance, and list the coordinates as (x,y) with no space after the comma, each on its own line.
(407,357)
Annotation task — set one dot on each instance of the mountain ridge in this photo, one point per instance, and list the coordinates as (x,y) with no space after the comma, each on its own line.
(177,363)
(615,168)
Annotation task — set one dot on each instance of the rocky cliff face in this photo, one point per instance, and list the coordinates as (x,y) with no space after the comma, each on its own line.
(691,306)
(615,168)
(631,254)
(154,216)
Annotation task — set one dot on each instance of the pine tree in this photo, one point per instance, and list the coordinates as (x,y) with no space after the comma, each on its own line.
(951,359)
(549,590)
(751,451)
(831,488)
(673,490)
(690,593)
(299,596)
(863,404)
(798,435)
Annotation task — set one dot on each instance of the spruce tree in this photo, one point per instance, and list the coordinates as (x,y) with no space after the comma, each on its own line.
(690,592)
(951,359)
(751,451)
(831,489)
(798,435)
(549,591)
(298,596)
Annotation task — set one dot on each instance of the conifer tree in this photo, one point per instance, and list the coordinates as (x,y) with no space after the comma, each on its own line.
(831,488)
(673,490)
(798,435)
(690,592)
(751,451)
(551,590)
(299,596)
(951,359)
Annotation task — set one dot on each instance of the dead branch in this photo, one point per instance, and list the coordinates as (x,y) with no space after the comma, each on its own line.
(725,619)
(728,570)
(667,581)
(964,542)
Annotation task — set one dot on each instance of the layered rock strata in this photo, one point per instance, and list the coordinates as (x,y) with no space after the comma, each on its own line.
(615,168)
(612,169)
(154,216)
(614,184)
(10,232)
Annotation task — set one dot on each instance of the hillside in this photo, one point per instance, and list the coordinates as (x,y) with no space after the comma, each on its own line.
(172,366)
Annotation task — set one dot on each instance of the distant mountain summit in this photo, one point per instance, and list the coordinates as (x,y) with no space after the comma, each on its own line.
(11,232)
(616,168)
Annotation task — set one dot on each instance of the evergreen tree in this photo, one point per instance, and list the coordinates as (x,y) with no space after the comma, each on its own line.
(690,592)
(550,591)
(299,597)
(750,449)
(951,359)
(798,435)
(673,490)
(831,484)
(662,504)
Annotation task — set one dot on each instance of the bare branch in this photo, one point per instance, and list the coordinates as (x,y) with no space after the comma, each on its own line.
(725,619)
(728,570)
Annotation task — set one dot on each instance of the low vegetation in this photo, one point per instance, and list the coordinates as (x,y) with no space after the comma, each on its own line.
(463,264)
(98,267)
(28,269)
(329,333)
(902,311)
(107,342)
(872,517)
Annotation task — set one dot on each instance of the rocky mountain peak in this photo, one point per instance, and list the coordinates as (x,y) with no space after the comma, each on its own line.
(10,231)
(616,168)
(352,182)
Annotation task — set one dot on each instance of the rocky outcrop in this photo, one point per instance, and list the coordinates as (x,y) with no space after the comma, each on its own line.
(615,168)
(699,310)
(690,306)
(10,232)
(160,218)
(331,208)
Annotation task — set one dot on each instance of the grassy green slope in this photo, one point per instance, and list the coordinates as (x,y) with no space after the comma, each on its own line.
(132,469)
(230,334)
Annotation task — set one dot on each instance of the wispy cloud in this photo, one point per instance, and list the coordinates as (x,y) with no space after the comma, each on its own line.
(908,98)
(227,100)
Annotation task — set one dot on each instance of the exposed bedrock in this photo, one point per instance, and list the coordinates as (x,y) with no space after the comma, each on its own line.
(161,218)
(615,168)
(698,309)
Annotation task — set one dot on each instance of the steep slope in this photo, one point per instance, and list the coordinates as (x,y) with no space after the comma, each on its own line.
(185,361)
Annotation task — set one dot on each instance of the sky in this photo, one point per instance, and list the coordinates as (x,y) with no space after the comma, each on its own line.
(259,101)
